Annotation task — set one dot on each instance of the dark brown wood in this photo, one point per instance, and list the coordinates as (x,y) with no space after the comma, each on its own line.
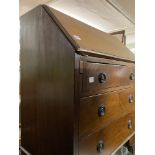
(116,105)
(93,70)
(62,99)
(116,75)
(46,87)
(76,103)
(125,73)
(100,59)
(90,39)
(125,103)
(112,136)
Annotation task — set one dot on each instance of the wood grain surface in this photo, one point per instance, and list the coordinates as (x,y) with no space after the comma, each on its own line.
(61,91)
(116,105)
(112,136)
(116,75)
(89,39)
(46,86)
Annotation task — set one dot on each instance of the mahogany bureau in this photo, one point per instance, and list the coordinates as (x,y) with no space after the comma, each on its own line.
(76,87)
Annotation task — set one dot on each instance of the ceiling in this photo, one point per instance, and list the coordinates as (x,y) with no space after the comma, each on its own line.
(106,15)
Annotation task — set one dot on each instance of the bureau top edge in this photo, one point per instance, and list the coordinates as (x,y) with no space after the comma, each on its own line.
(88,40)
(102,59)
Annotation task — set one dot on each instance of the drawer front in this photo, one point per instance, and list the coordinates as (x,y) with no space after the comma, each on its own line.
(127,100)
(98,76)
(107,140)
(98,111)
(127,75)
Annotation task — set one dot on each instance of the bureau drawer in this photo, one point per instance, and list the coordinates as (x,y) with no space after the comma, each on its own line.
(127,99)
(109,139)
(96,76)
(98,111)
(127,75)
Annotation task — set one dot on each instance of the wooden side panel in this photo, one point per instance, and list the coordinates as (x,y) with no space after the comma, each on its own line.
(46,86)
(76,103)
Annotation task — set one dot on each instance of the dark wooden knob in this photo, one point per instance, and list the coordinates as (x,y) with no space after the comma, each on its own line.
(131,99)
(129,124)
(102,77)
(132,76)
(101,110)
(100,146)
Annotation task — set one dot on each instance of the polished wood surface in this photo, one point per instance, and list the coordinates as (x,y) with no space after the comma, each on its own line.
(66,107)
(93,70)
(116,75)
(127,100)
(125,75)
(116,105)
(76,103)
(112,136)
(100,59)
(90,40)
(46,86)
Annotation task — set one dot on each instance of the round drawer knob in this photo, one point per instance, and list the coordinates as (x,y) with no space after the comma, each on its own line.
(102,77)
(129,124)
(100,146)
(132,76)
(131,99)
(101,110)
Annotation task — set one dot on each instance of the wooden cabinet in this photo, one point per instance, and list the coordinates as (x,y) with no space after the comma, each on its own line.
(76,88)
